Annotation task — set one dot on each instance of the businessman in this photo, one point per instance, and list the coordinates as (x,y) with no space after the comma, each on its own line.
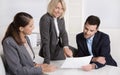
(96,43)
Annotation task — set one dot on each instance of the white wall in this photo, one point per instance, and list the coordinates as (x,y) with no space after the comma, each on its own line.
(107,10)
(73,19)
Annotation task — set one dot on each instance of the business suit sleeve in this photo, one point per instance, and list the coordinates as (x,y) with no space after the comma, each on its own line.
(14,61)
(104,49)
(79,53)
(45,38)
(81,46)
(63,33)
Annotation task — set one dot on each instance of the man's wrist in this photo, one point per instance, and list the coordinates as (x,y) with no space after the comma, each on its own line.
(94,66)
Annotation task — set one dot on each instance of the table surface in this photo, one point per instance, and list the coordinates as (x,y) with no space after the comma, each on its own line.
(2,69)
(106,70)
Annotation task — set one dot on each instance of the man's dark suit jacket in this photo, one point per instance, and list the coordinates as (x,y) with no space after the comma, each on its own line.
(100,47)
(51,45)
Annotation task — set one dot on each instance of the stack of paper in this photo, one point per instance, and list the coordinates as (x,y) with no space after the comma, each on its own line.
(76,62)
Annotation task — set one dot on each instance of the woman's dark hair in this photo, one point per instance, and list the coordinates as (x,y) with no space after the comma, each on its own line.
(21,19)
(93,20)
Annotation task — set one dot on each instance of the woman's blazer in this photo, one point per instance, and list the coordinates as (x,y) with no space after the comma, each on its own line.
(18,60)
(49,39)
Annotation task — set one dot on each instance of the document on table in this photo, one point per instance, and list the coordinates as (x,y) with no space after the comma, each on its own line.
(76,62)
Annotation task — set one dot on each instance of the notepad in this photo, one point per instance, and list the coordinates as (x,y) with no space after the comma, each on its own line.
(76,62)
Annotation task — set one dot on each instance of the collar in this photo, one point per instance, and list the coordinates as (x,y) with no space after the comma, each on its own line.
(91,38)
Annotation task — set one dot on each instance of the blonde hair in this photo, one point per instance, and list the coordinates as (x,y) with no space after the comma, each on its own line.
(53,4)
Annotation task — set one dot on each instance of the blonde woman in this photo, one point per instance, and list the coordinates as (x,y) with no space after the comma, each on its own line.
(54,38)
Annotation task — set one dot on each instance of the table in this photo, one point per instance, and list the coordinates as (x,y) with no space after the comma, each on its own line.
(106,70)
(2,69)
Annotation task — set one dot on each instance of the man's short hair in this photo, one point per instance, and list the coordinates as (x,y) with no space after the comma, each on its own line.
(93,20)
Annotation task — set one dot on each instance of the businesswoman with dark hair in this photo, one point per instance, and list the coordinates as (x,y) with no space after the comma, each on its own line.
(17,49)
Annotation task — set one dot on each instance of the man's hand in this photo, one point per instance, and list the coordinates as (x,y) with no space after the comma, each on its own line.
(88,67)
(99,59)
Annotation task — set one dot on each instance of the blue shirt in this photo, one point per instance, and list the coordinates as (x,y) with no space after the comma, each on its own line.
(89,44)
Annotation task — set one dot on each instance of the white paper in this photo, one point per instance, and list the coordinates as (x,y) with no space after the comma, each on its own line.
(76,62)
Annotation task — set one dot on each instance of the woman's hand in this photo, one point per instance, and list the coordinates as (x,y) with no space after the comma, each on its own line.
(48,68)
(68,52)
